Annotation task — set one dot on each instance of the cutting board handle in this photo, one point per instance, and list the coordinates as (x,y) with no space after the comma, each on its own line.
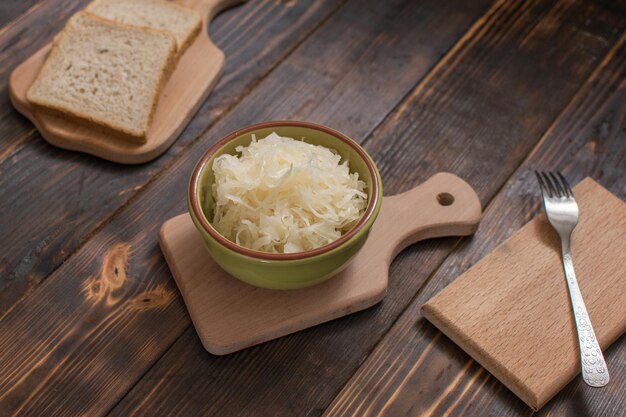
(444,205)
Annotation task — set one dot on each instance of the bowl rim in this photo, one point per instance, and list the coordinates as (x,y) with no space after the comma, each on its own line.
(370,210)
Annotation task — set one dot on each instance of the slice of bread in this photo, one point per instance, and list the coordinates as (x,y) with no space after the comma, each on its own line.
(106,74)
(183,23)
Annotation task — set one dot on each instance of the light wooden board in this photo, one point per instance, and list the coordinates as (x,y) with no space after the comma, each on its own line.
(191,82)
(511,311)
(230,315)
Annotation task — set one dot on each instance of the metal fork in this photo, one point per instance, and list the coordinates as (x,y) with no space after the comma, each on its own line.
(562,211)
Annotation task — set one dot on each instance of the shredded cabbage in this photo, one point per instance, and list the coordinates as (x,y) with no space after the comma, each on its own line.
(283,196)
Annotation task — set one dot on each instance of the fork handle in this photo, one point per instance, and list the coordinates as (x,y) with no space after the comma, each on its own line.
(594,369)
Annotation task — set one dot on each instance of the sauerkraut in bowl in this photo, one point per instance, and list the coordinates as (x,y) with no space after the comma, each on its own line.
(284,204)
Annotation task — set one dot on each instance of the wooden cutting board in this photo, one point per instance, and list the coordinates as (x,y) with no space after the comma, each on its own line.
(230,315)
(511,311)
(189,85)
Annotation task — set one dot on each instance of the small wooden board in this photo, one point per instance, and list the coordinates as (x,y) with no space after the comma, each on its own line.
(189,85)
(230,315)
(511,311)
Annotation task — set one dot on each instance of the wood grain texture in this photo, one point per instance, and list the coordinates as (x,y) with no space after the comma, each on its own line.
(415,370)
(98,324)
(196,73)
(93,190)
(230,315)
(11,10)
(512,314)
(333,351)
(100,333)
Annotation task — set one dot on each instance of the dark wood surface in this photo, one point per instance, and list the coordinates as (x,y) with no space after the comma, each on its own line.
(91,322)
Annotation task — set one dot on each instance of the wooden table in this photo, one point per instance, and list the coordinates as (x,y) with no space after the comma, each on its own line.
(91,322)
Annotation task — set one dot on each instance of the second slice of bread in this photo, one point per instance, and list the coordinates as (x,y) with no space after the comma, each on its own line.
(105,73)
(183,23)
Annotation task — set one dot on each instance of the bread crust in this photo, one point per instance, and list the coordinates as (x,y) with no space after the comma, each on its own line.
(88,120)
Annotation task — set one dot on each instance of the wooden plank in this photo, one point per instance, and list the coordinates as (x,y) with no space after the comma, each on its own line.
(511,311)
(115,308)
(415,370)
(33,174)
(299,374)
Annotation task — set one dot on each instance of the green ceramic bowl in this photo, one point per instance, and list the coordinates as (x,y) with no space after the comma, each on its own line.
(283,270)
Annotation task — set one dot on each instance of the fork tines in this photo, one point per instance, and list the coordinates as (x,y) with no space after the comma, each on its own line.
(554,185)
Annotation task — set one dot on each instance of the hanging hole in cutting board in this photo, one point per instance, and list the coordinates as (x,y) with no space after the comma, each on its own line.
(445,199)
